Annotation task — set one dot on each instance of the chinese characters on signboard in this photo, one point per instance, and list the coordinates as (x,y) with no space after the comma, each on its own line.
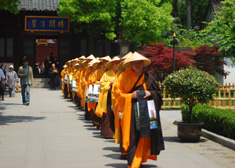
(47,23)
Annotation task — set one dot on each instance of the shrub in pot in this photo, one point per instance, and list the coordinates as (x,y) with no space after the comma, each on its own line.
(193,87)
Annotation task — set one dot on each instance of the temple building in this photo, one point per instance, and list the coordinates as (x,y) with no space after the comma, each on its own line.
(37,31)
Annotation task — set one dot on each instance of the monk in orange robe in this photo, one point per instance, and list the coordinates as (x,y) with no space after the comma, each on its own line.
(74,78)
(84,79)
(78,79)
(62,77)
(116,108)
(102,109)
(130,84)
(69,72)
(98,75)
(92,67)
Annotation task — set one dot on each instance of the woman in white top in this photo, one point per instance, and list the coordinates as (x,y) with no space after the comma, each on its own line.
(11,80)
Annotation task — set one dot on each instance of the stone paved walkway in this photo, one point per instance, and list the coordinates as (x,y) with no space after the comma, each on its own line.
(52,133)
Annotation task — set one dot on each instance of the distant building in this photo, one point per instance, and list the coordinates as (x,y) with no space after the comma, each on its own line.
(18,37)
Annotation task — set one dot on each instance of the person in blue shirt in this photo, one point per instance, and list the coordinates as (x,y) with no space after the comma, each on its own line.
(2,82)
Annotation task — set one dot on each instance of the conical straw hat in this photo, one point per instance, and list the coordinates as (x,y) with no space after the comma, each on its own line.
(69,61)
(126,56)
(65,66)
(106,58)
(82,57)
(136,57)
(115,59)
(120,67)
(91,57)
(77,64)
(76,59)
(84,62)
(94,63)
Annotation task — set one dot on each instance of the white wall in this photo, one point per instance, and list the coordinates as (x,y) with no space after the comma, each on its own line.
(231,69)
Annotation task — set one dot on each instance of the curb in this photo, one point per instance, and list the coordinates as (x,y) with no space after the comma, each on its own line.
(229,143)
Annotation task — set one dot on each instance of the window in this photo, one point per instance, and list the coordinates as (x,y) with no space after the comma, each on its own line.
(6,47)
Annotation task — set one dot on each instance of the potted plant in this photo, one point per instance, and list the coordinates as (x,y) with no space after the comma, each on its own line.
(193,87)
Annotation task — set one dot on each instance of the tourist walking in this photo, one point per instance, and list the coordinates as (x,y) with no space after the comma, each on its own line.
(25,73)
(11,80)
(2,82)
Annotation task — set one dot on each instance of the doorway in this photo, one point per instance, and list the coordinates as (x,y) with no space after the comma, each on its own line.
(45,49)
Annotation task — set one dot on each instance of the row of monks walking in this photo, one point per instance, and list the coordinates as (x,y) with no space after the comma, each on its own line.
(120,99)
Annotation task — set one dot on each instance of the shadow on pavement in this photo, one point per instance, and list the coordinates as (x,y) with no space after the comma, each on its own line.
(88,126)
(74,107)
(176,139)
(113,156)
(114,149)
(11,104)
(96,133)
(171,139)
(116,165)
(98,136)
(16,119)
(111,141)
(148,166)
(2,108)
(92,129)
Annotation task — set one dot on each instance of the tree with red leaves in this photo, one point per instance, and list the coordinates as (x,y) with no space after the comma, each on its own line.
(162,60)
(209,59)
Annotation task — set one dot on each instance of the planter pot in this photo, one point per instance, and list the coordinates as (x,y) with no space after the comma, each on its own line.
(189,132)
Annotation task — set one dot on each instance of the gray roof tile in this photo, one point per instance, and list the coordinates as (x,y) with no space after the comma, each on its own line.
(39,5)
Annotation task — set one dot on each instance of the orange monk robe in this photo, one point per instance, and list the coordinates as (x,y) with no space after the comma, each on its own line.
(90,105)
(94,79)
(69,72)
(62,79)
(79,90)
(74,78)
(108,77)
(116,109)
(97,76)
(125,82)
(77,78)
(84,85)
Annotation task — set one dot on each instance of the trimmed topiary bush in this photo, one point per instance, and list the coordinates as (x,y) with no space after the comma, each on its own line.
(219,121)
(192,86)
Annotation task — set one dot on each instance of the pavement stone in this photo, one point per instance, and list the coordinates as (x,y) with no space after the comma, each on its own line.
(52,133)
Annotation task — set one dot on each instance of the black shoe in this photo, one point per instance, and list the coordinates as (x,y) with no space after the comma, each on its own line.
(27,103)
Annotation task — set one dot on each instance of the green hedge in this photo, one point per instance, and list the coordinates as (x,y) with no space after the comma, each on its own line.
(219,121)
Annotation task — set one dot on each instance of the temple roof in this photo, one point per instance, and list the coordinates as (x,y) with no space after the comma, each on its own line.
(39,5)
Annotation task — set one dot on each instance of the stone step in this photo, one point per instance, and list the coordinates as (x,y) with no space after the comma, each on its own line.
(40,83)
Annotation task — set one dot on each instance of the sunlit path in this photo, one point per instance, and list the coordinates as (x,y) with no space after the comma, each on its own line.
(52,133)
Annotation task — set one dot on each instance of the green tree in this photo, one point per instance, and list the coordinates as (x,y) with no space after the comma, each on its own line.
(192,38)
(10,5)
(145,20)
(96,17)
(222,28)
(197,11)
(139,20)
